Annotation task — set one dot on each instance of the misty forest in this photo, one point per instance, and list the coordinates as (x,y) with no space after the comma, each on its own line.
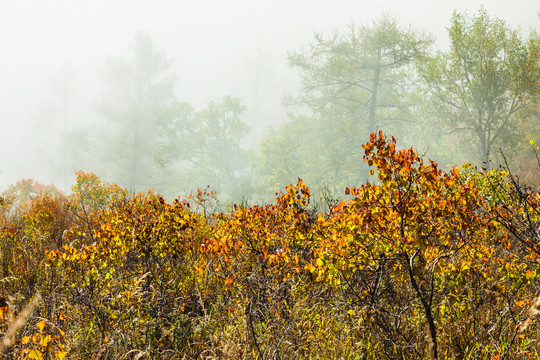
(386,207)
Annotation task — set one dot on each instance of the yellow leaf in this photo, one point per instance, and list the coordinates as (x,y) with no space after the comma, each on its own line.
(35,354)
(310,268)
(41,325)
(25,339)
(60,355)
(45,340)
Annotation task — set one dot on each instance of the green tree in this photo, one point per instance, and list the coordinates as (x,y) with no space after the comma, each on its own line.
(137,90)
(322,153)
(352,84)
(365,73)
(484,86)
(282,157)
(208,145)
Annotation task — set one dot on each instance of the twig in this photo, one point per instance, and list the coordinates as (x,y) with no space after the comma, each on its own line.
(19,322)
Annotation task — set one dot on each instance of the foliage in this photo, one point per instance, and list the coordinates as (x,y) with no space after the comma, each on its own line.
(420,263)
(362,72)
(353,83)
(24,191)
(89,192)
(136,89)
(486,84)
(208,144)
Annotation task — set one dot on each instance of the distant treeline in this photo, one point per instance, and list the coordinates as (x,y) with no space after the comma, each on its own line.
(475,102)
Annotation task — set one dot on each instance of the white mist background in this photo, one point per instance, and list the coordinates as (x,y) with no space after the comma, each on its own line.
(219,47)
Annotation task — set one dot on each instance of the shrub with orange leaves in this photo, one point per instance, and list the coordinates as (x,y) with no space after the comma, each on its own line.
(421,263)
(395,246)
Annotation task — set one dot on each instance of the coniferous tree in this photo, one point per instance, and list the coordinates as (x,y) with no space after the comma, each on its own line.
(137,90)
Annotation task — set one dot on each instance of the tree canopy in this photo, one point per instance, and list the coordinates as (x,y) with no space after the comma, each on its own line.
(353,83)
(484,86)
(207,144)
(136,90)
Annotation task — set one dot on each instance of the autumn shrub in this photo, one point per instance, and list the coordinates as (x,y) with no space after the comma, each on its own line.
(420,263)
(131,272)
(259,253)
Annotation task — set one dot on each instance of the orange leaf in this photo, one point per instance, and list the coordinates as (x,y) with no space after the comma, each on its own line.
(41,325)
(35,338)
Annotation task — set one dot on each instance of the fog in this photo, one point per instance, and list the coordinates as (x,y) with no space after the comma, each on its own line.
(54,54)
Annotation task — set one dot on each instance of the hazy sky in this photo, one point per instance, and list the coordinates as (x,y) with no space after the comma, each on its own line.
(216,45)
